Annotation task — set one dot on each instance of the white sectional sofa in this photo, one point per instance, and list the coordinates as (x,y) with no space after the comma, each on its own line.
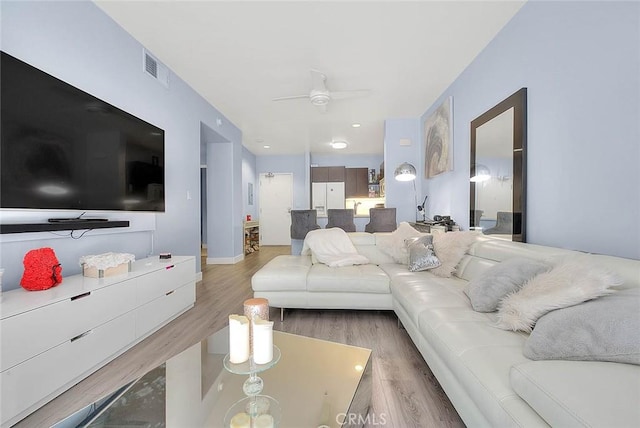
(481,368)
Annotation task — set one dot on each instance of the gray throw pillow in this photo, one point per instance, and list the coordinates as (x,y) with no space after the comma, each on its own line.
(421,256)
(604,329)
(486,291)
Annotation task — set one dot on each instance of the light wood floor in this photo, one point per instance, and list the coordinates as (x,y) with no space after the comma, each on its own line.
(405,392)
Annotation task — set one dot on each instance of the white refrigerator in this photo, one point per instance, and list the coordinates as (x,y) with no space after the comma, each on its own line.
(326,196)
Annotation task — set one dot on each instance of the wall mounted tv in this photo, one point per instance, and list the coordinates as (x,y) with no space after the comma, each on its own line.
(62,148)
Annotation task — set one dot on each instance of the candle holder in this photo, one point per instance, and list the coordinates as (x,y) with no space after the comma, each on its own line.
(258,410)
(254,384)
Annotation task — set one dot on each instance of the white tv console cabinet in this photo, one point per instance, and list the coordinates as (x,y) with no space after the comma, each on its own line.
(54,338)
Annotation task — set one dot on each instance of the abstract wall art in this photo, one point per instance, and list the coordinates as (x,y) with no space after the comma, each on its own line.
(438,131)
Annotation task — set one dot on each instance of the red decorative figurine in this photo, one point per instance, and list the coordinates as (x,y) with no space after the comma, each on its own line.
(42,270)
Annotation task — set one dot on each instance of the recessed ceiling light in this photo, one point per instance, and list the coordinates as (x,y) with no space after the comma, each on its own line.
(339,144)
(266,146)
(355,125)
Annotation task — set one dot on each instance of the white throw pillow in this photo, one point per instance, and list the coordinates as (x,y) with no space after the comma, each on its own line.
(570,282)
(394,244)
(450,248)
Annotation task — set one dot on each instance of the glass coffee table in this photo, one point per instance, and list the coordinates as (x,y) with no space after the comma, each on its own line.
(315,383)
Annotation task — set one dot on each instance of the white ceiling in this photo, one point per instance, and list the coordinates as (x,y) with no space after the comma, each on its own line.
(239,55)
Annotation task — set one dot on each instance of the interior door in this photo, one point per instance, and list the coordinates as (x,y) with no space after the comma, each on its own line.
(276,200)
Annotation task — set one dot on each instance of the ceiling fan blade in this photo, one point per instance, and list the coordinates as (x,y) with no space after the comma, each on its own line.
(318,81)
(339,95)
(292,97)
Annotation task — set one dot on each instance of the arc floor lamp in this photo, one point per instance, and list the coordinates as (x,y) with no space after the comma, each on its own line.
(407,172)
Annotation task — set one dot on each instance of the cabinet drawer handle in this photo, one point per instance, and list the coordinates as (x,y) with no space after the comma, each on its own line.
(80,336)
(170,267)
(170,292)
(80,296)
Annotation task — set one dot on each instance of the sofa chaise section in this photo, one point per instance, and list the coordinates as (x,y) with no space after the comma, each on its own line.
(302,282)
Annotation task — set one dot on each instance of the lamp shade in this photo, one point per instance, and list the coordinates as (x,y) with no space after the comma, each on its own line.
(405,172)
(482,174)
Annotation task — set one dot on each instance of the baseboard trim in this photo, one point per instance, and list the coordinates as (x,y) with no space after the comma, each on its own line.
(199,276)
(225,260)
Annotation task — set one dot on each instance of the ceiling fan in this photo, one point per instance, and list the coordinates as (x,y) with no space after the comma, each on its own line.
(320,95)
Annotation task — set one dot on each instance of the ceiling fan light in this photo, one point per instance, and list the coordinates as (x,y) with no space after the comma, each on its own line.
(319,99)
(339,145)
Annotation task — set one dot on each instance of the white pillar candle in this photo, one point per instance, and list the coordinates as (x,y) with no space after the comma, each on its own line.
(238,339)
(262,341)
(264,421)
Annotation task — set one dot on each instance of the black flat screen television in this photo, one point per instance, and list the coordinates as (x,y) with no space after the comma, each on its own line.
(62,148)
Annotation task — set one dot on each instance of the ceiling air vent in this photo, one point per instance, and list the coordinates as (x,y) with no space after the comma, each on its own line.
(154,68)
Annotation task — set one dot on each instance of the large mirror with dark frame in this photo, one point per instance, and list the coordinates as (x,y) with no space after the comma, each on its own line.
(498,169)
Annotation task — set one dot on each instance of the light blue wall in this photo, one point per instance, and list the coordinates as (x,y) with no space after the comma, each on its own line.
(249,176)
(224,235)
(219,177)
(401,194)
(78,43)
(580,62)
(203,203)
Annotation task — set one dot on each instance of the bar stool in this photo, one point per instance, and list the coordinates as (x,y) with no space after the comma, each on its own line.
(381,220)
(302,222)
(342,218)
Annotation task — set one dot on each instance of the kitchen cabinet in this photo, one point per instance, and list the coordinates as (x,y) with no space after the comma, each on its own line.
(319,174)
(336,174)
(357,182)
(327,174)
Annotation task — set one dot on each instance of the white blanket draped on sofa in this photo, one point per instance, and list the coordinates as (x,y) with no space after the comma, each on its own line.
(332,247)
